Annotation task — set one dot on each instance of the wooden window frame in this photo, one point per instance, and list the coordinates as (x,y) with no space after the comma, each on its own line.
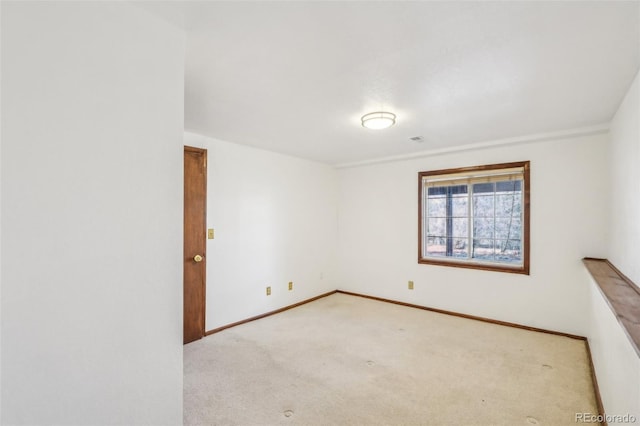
(479,264)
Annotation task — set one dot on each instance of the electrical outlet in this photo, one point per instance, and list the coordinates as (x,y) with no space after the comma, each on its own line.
(290,285)
(269,291)
(410,285)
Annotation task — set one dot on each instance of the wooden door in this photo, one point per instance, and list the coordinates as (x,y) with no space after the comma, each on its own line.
(195,261)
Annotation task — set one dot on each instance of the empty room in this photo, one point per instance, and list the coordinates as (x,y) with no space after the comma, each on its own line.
(319,213)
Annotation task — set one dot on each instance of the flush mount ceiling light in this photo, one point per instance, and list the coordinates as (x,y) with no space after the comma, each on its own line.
(378,120)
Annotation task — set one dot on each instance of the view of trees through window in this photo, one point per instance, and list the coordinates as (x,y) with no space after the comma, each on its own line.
(481,221)
(475,217)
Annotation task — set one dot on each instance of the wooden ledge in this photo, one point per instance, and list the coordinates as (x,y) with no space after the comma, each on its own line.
(621,294)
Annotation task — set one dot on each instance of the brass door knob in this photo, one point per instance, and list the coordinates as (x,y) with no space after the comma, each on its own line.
(198,258)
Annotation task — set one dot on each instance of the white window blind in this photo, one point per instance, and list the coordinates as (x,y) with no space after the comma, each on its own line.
(483,176)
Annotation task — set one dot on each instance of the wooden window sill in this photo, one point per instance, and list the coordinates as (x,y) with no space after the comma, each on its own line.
(621,294)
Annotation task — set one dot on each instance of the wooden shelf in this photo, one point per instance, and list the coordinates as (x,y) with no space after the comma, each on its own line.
(621,294)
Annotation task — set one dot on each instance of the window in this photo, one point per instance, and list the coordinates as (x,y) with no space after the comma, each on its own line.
(476,217)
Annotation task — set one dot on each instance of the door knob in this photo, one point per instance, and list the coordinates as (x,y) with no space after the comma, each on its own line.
(198,258)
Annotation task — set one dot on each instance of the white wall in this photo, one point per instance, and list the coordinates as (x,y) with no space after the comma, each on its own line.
(378,235)
(625,189)
(92,102)
(275,221)
(616,363)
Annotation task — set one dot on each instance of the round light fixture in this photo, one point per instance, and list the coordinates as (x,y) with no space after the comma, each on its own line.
(378,120)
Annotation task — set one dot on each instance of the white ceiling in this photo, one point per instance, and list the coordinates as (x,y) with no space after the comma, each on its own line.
(295,77)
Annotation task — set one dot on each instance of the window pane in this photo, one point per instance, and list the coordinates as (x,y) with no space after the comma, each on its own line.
(508,228)
(508,251)
(436,227)
(460,227)
(437,206)
(484,188)
(517,209)
(460,248)
(436,246)
(437,190)
(510,185)
(482,228)
(483,205)
(458,189)
(460,206)
(507,204)
(483,249)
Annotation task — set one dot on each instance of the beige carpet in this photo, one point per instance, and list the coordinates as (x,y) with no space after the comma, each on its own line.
(346,360)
